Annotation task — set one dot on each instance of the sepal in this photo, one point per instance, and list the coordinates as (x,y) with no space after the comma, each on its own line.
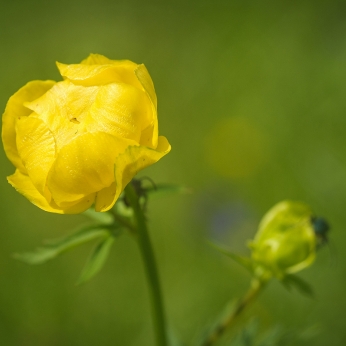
(245,262)
(294,281)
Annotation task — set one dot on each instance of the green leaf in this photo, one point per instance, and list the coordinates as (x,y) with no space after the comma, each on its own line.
(96,260)
(213,324)
(245,262)
(249,334)
(274,337)
(173,339)
(160,190)
(299,284)
(105,218)
(56,247)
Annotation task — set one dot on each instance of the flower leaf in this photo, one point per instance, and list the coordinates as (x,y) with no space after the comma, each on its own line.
(57,247)
(299,284)
(249,334)
(173,339)
(96,260)
(245,262)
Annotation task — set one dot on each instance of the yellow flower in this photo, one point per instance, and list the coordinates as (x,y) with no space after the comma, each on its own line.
(81,141)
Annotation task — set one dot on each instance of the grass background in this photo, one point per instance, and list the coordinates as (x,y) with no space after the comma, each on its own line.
(252,98)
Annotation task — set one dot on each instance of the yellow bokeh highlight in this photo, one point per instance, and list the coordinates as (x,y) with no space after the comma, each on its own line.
(236,148)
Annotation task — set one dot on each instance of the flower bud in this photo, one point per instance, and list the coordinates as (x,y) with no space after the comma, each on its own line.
(80,141)
(285,242)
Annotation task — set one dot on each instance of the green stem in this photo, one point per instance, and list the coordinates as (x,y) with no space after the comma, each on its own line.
(255,288)
(150,267)
(124,222)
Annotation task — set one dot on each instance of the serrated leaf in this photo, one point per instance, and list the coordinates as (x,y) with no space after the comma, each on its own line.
(96,260)
(299,284)
(57,247)
(245,262)
(105,218)
(166,189)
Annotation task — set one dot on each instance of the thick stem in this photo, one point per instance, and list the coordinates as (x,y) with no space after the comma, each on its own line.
(150,267)
(228,321)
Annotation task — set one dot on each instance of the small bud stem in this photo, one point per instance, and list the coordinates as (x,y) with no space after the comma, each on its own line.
(255,288)
(150,267)
(124,222)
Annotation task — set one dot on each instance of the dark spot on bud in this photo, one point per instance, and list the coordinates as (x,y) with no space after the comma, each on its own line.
(321,229)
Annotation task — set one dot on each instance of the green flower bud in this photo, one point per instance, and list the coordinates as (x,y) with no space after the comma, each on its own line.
(285,242)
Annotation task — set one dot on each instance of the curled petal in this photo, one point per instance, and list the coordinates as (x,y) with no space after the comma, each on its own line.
(96,59)
(150,134)
(84,166)
(15,109)
(148,85)
(86,74)
(36,147)
(106,198)
(127,165)
(24,185)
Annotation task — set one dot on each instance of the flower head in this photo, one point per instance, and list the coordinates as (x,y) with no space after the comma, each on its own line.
(80,141)
(286,241)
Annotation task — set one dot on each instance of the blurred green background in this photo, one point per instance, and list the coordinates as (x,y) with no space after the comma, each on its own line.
(252,98)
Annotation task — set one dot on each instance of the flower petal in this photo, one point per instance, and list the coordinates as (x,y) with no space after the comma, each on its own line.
(120,110)
(14,110)
(24,185)
(106,198)
(96,59)
(64,108)
(36,147)
(150,134)
(119,71)
(148,85)
(127,165)
(84,166)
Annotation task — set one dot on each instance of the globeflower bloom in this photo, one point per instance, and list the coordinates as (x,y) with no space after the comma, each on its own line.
(286,240)
(80,141)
